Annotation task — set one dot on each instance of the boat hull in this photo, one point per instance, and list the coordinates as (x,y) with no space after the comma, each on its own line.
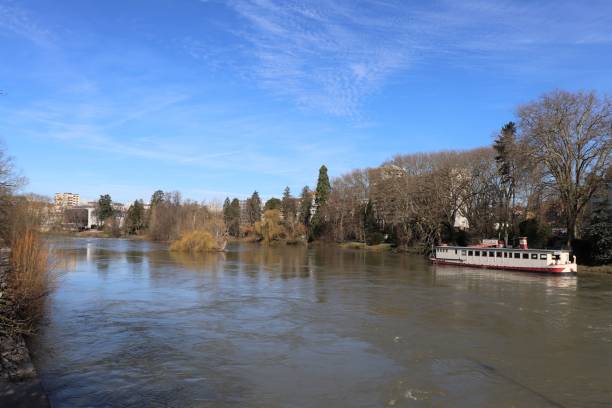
(567,269)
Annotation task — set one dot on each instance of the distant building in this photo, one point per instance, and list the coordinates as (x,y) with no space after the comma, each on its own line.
(461,222)
(314,205)
(120,207)
(63,200)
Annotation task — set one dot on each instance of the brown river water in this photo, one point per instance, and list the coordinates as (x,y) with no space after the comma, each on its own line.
(133,325)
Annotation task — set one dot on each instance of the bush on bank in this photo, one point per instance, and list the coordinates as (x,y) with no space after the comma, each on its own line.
(198,241)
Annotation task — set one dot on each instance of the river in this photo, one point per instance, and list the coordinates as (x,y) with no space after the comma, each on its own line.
(133,325)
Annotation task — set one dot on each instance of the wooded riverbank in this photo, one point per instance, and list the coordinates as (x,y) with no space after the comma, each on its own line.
(19,382)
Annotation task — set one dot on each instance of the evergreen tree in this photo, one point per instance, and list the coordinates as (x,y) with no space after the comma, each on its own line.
(323,187)
(253,208)
(157,197)
(305,204)
(135,217)
(505,148)
(288,206)
(233,226)
(599,232)
(273,204)
(226,209)
(322,192)
(104,208)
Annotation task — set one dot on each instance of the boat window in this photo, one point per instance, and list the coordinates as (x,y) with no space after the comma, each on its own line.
(470,253)
(525,256)
(517,255)
(557,257)
(499,254)
(477,253)
(534,256)
(543,256)
(505,254)
(455,252)
(492,254)
(484,253)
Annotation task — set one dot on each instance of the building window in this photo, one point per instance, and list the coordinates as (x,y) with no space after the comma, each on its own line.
(470,253)
(534,256)
(525,256)
(517,255)
(543,256)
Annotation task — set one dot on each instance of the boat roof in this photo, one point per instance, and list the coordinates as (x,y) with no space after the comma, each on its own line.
(485,248)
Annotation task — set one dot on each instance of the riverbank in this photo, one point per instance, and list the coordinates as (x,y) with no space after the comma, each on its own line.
(95,234)
(595,270)
(19,382)
(363,245)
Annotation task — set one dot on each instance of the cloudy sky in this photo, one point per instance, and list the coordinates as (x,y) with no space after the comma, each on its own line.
(216,98)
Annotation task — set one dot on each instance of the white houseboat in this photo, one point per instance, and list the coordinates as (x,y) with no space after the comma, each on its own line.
(493,255)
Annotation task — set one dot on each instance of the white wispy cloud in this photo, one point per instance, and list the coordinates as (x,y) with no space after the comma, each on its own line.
(230,140)
(330,54)
(16,20)
(325,55)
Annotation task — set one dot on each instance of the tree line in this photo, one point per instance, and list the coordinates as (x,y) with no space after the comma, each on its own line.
(546,175)
(168,218)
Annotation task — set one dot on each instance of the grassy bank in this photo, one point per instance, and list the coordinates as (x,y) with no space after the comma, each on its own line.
(595,270)
(362,245)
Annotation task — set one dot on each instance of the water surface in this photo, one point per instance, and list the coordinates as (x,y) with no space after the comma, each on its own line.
(133,325)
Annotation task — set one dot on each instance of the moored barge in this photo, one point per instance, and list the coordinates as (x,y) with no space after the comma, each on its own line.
(493,255)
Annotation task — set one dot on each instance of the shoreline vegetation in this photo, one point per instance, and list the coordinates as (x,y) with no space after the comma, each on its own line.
(364,246)
(26,278)
(595,270)
(198,242)
(546,177)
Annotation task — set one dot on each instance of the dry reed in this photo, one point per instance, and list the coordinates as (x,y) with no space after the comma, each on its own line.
(30,279)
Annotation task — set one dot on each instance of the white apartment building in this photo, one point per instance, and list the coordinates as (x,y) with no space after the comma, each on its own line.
(67,200)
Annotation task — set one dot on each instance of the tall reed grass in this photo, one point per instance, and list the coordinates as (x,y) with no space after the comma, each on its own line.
(30,278)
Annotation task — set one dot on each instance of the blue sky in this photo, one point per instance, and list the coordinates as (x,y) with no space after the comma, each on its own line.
(216,98)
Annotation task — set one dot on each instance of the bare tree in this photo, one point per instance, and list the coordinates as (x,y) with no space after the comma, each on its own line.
(571,135)
(9,183)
